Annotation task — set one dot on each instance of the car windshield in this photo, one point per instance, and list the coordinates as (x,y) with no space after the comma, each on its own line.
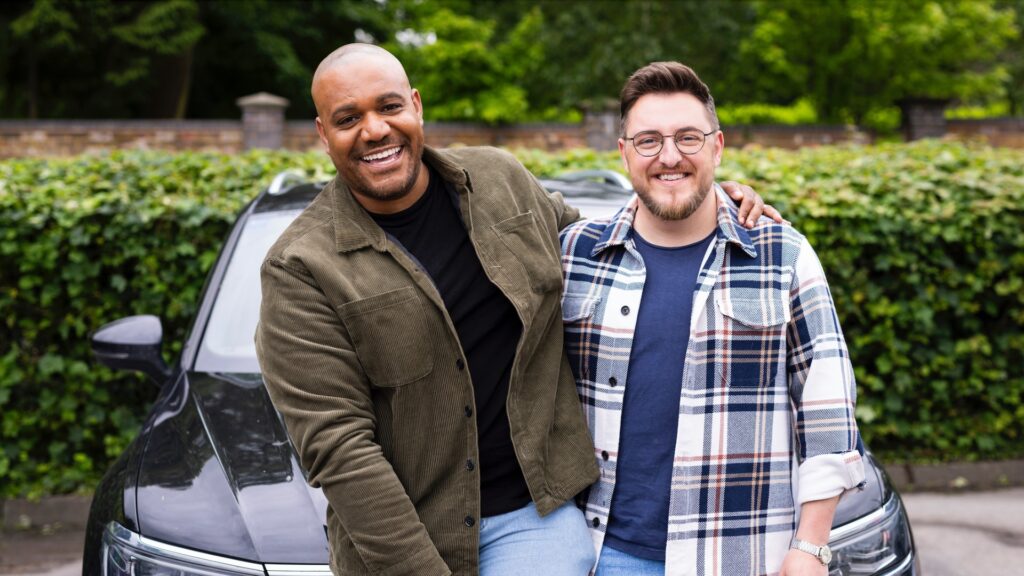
(227,344)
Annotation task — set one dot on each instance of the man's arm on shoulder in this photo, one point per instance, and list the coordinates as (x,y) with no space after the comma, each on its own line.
(751,204)
(315,381)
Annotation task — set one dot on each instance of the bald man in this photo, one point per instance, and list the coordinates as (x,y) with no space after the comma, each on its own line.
(411,337)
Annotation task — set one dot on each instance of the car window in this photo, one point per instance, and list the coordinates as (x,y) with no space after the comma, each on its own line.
(227,345)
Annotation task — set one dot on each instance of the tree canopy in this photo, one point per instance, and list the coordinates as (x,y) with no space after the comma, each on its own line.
(507,61)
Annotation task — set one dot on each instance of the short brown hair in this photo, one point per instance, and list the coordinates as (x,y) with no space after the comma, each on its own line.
(664,78)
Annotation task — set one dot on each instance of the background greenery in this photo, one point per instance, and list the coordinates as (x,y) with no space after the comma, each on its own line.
(847,61)
(921,243)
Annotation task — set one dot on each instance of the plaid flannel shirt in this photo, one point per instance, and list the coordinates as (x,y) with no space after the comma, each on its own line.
(766,413)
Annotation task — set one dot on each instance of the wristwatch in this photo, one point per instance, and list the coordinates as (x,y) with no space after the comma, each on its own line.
(822,553)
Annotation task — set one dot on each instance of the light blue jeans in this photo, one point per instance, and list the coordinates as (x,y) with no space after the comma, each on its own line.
(521,542)
(617,563)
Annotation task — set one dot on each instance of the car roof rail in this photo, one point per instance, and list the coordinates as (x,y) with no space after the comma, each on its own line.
(285,181)
(608,176)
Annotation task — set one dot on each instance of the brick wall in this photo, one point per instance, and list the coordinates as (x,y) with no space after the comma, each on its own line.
(1008,132)
(70,137)
(792,137)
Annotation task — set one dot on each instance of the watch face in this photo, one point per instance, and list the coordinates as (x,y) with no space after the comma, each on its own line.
(826,555)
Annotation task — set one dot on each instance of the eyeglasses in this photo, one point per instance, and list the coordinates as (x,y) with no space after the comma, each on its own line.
(688,141)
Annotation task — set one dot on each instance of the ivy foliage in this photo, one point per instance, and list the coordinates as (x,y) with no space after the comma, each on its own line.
(85,241)
(921,243)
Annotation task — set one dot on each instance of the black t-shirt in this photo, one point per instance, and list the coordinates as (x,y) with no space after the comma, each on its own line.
(486,323)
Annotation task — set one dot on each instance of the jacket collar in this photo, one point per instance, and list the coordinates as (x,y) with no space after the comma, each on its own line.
(354,228)
(620,227)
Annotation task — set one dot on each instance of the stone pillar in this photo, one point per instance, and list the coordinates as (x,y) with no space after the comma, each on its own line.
(262,120)
(601,125)
(923,118)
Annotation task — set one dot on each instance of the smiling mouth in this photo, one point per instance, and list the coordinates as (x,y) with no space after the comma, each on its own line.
(673,177)
(383,156)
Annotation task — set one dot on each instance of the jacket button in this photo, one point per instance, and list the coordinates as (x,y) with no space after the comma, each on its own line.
(604,456)
(469,411)
(470,465)
(469,521)
(624,310)
(613,381)
(460,364)
(595,522)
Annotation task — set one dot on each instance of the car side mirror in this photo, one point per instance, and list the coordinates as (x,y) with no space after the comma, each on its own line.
(132,343)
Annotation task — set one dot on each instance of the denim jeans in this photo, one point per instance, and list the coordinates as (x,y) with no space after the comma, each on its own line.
(521,542)
(617,563)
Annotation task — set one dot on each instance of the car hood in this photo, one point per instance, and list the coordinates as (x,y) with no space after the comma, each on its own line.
(219,475)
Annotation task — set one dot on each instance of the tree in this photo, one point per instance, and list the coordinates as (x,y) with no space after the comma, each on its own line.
(852,57)
(98,58)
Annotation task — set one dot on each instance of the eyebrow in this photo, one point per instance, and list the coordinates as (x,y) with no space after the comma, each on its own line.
(345,108)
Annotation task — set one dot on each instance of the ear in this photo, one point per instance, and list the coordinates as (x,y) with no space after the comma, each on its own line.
(320,131)
(417,104)
(719,146)
(622,154)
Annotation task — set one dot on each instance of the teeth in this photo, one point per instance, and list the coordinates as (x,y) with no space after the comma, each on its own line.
(382,154)
(670,176)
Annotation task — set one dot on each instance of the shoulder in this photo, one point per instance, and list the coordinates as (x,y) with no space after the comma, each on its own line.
(478,156)
(310,234)
(580,238)
(486,161)
(776,243)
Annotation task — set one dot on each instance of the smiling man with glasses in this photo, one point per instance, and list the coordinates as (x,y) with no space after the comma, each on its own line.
(709,360)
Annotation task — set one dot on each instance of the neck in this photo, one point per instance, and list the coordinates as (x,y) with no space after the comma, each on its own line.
(672,233)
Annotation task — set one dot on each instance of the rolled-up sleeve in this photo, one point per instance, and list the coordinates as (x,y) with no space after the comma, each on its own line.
(822,387)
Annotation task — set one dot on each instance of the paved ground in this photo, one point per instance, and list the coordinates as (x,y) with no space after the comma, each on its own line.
(969,534)
(957,534)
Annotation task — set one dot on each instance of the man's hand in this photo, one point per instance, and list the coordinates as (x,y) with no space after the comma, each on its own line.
(799,563)
(751,204)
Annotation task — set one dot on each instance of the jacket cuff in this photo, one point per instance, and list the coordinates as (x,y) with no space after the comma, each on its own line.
(829,475)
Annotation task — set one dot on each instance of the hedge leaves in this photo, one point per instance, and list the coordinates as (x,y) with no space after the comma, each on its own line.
(922,244)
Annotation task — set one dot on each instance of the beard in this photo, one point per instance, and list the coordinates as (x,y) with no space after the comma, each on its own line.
(383,191)
(673,210)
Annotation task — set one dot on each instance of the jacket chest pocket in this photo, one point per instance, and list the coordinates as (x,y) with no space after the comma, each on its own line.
(532,249)
(752,345)
(390,336)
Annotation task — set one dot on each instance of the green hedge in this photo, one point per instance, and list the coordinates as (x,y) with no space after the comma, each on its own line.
(85,241)
(922,244)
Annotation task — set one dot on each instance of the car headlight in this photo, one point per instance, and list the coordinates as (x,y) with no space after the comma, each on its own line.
(126,553)
(877,544)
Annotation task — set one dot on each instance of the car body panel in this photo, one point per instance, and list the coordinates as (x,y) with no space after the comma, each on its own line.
(219,475)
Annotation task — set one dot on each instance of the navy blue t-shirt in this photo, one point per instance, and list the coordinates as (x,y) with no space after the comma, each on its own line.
(638,523)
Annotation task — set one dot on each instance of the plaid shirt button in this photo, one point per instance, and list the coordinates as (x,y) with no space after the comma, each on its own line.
(625,310)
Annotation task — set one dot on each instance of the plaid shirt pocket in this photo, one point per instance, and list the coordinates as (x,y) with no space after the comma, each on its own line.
(578,316)
(752,336)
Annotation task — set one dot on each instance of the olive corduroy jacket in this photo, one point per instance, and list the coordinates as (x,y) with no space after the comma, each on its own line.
(364,364)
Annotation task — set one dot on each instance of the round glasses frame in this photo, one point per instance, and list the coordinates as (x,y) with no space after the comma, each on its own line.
(675,140)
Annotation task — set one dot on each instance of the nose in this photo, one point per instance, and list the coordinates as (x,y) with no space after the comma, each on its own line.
(669,155)
(375,128)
